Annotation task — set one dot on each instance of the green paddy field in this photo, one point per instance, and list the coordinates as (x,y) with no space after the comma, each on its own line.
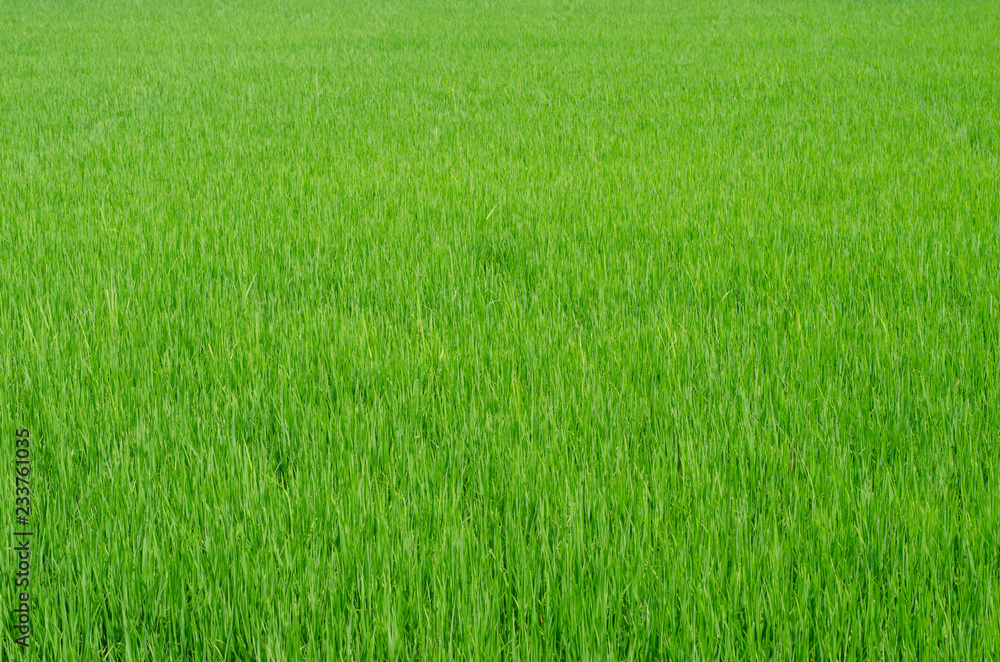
(501,330)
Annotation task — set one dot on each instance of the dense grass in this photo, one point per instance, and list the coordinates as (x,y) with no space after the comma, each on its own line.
(504,330)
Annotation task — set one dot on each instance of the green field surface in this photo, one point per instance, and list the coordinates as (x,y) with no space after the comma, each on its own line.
(501,330)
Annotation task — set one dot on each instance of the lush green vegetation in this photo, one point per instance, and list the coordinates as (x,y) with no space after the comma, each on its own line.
(504,330)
